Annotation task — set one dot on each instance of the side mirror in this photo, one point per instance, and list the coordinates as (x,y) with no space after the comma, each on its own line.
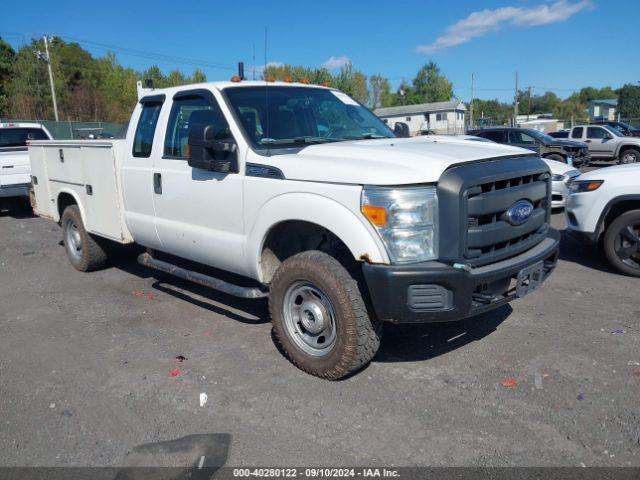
(608,136)
(208,153)
(401,130)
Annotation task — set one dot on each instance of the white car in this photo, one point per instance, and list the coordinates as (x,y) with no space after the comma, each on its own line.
(604,208)
(561,176)
(15,171)
(315,203)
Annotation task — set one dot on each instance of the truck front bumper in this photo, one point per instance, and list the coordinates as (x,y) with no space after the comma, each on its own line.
(437,292)
(14,190)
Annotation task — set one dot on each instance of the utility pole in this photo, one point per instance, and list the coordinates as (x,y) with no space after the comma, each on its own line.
(529,103)
(53,88)
(471,105)
(515,104)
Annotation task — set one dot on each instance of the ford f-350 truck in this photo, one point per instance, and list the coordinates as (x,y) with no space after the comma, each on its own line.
(303,195)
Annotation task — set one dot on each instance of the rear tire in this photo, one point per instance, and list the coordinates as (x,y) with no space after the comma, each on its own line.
(84,252)
(628,155)
(320,318)
(622,243)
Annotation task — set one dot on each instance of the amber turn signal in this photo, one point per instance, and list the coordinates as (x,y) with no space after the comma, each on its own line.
(376,215)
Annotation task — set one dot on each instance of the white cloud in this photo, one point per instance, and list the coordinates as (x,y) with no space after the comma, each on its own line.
(260,68)
(481,22)
(336,62)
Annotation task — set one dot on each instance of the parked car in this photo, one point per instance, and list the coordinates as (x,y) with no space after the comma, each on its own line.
(339,231)
(561,174)
(622,127)
(607,143)
(559,134)
(570,152)
(604,209)
(15,171)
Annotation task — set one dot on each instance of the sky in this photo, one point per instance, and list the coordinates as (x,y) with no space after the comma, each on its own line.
(557,45)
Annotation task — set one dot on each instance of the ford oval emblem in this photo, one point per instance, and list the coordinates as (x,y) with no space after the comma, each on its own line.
(519,212)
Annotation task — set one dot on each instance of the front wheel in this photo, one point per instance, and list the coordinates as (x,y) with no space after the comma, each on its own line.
(84,252)
(622,243)
(320,318)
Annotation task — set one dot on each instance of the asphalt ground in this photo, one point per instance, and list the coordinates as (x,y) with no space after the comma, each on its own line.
(88,372)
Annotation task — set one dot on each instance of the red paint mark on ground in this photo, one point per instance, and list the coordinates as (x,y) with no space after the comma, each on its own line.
(174,373)
(140,293)
(509,383)
(206,334)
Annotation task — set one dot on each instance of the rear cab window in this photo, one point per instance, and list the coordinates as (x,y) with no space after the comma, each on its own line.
(145,130)
(16,137)
(577,132)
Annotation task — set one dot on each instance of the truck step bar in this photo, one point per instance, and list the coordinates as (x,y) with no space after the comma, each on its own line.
(236,290)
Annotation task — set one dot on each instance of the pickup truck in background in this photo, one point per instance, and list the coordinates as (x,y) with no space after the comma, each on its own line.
(300,194)
(15,170)
(607,143)
(603,209)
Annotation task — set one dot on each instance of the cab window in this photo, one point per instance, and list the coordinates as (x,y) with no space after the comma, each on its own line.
(520,138)
(577,132)
(187,111)
(596,132)
(143,139)
(493,135)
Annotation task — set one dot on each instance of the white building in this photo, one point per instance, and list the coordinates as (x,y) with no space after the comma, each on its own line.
(439,117)
(603,109)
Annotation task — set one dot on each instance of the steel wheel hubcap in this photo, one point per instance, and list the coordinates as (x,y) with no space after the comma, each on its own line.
(309,319)
(629,158)
(627,246)
(73,240)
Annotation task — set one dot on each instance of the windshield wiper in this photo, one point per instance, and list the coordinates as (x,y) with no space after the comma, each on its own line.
(296,140)
(366,136)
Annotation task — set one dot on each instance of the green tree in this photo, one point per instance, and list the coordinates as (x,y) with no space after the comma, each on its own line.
(7,59)
(430,85)
(629,101)
(379,89)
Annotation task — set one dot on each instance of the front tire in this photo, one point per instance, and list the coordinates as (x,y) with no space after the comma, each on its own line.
(320,318)
(622,243)
(85,254)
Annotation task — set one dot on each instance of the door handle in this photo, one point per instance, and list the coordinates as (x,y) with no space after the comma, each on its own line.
(157,183)
(587,141)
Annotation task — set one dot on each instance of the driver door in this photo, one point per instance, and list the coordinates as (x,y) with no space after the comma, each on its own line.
(198,212)
(601,143)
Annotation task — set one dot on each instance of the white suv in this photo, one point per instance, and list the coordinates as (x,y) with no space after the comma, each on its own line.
(604,207)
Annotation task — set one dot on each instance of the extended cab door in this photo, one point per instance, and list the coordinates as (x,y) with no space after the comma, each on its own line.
(601,142)
(137,173)
(198,212)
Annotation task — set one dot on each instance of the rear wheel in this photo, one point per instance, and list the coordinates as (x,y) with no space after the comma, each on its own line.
(622,243)
(84,252)
(629,155)
(320,318)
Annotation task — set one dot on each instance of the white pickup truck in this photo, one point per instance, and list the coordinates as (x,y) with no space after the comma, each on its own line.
(15,173)
(309,199)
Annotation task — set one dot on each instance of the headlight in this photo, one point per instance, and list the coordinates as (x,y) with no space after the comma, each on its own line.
(406,219)
(580,186)
(557,178)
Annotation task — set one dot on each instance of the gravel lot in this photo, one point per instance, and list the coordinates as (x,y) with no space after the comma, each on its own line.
(85,362)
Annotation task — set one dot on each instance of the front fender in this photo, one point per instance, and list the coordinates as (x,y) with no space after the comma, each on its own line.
(355,232)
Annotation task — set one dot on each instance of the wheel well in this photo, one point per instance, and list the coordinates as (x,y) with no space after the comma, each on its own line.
(64,200)
(629,147)
(618,209)
(295,236)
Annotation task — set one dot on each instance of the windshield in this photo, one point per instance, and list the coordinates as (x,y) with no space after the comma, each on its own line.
(281,117)
(614,131)
(17,137)
(543,137)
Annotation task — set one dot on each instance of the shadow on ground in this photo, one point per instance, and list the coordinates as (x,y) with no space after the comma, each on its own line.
(590,256)
(17,208)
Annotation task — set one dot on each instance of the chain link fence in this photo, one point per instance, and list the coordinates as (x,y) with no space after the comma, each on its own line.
(70,130)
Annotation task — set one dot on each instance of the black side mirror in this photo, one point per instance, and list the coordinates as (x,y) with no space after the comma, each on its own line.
(208,153)
(401,130)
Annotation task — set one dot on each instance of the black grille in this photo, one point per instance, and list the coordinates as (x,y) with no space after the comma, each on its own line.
(490,237)
(479,194)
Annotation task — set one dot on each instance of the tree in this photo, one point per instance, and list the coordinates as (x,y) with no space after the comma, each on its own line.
(379,89)
(431,86)
(629,101)
(7,59)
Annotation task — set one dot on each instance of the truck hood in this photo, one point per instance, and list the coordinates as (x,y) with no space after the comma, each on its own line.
(567,143)
(631,170)
(389,161)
